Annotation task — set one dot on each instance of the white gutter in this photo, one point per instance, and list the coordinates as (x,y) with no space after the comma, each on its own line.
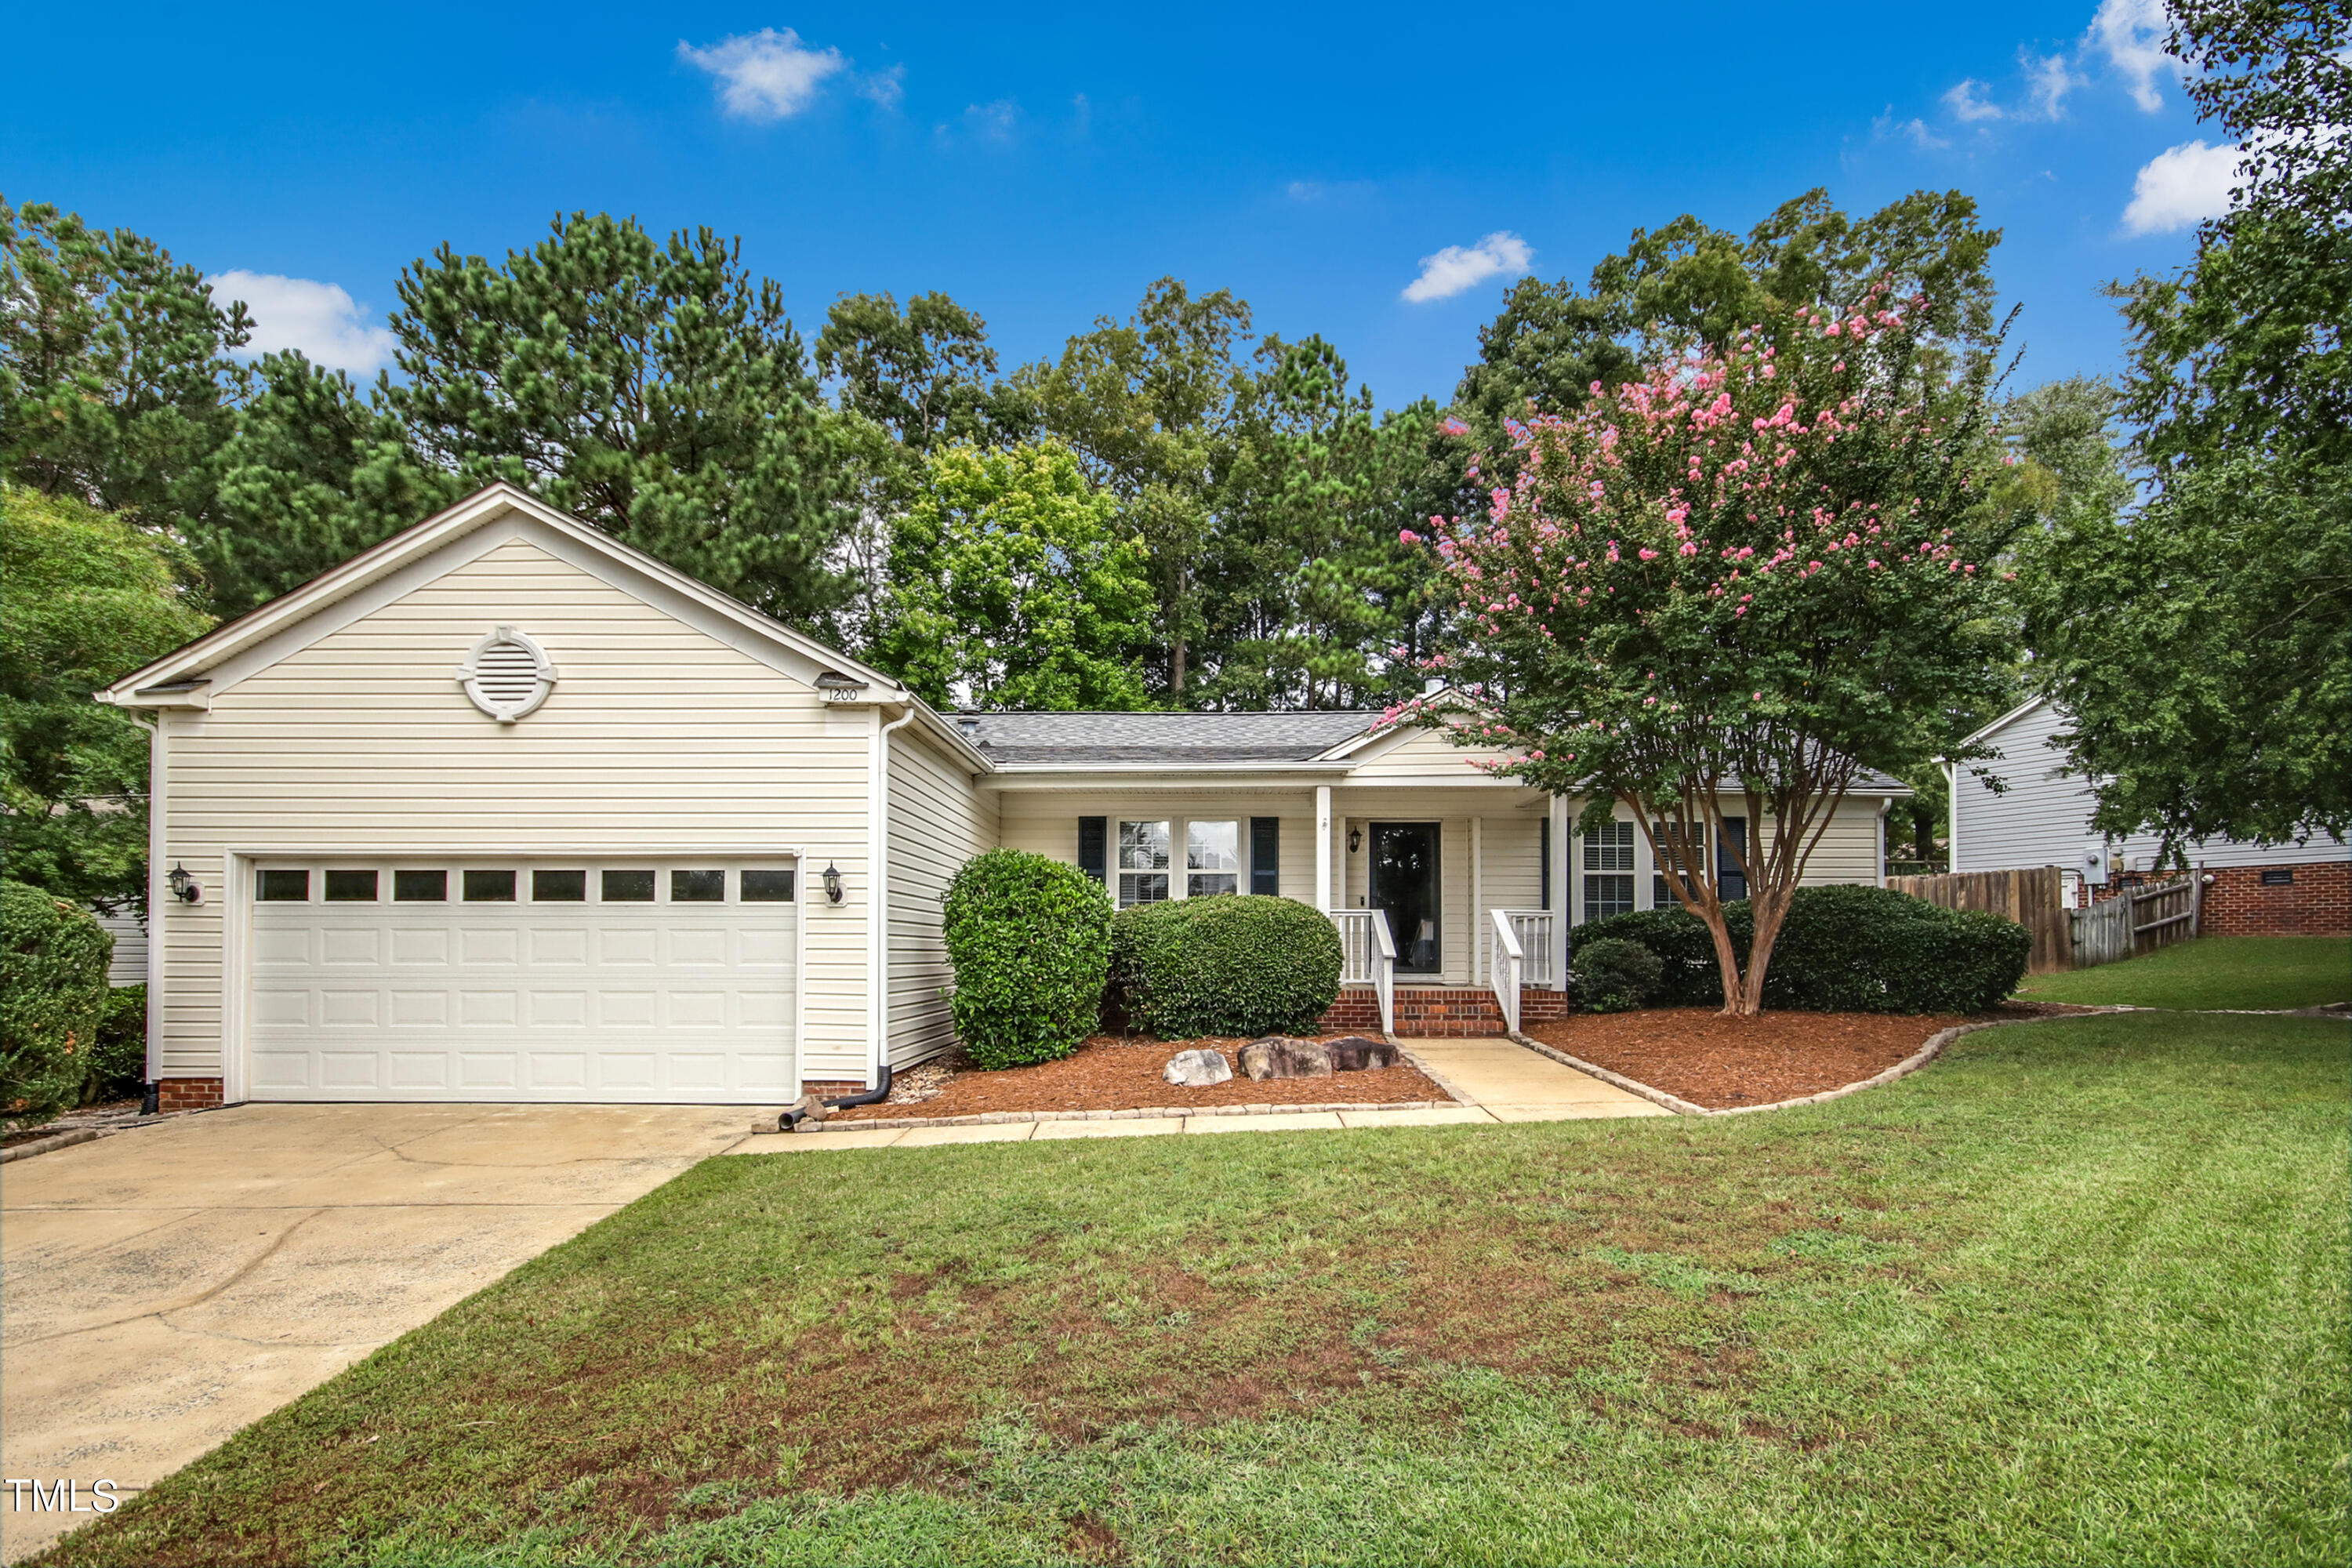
(878,895)
(1951,816)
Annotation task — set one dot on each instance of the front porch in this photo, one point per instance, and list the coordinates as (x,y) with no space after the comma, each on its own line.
(1515,978)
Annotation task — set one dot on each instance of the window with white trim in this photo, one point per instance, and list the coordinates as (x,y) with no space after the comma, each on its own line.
(1663,895)
(1608,870)
(1143,863)
(1213,858)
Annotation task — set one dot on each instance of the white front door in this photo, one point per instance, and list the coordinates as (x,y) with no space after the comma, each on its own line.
(469,980)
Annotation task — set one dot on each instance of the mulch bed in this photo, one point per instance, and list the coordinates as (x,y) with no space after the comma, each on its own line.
(1112,1072)
(1720,1062)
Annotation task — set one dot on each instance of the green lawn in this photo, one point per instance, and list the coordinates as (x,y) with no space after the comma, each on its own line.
(2077,1293)
(2256,971)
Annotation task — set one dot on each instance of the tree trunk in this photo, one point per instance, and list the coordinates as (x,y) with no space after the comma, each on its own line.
(1769,910)
(1726,958)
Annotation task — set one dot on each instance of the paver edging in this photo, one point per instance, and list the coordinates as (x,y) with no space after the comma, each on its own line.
(1007,1118)
(47,1145)
(1904,1068)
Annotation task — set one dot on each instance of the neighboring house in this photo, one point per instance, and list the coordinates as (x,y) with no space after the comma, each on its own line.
(503,809)
(2042,817)
(129,965)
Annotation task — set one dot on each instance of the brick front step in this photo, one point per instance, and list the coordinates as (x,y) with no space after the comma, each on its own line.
(1440,1012)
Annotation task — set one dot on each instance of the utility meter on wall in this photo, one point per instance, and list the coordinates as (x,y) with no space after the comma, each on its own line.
(2094,864)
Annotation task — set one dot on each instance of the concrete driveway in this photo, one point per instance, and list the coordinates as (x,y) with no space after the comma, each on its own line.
(161,1288)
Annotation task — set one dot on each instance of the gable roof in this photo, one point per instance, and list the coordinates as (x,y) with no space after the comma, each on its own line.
(1164,740)
(186,668)
(2006,720)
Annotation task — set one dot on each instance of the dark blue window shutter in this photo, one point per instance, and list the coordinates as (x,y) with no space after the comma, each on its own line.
(1265,855)
(1543,835)
(1093,839)
(1728,878)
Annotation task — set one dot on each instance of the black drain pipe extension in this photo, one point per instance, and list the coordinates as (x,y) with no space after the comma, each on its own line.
(791,1120)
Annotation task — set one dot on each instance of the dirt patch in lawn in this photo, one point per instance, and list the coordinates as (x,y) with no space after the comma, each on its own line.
(1112,1072)
(1722,1063)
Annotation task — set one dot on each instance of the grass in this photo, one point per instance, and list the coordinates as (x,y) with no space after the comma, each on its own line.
(2250,972)
(2077,1293)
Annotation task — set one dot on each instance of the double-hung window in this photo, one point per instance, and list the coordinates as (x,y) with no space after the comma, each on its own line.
(1608,870)
(1213,858)
(1143,863)
(1663,894)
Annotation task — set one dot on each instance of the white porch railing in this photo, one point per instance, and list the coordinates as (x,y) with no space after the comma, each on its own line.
(1540,957)
(1368,957)
(1507,960)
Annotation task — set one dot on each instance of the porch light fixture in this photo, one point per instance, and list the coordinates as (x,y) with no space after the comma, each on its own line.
(831,884)
(185,887)
(1355,840)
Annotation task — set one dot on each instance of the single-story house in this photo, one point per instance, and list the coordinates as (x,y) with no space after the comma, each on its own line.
(2041,816)
(503,809)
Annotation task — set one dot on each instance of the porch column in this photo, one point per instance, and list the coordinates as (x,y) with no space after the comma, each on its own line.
(1563,891)
(1477,899)
(1323,847)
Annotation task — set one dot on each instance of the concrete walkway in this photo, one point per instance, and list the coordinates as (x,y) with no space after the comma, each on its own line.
(161,1288)
(1497,1080)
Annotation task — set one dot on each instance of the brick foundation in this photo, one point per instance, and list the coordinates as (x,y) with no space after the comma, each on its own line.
(1455,1012)
(2318,903)
(187,1093)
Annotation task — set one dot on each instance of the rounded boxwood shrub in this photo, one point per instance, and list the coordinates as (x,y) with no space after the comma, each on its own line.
(53,958)
(1614,974)
(1030,940)
(1841,950)
(1237,964)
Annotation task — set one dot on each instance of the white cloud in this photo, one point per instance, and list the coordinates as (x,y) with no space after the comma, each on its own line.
(994,120)
(1458,266)
(886,88)
(2047,82)
(319,318)
(767,74)
(1966,105)
(2182,186)
(2131,34)
(1886,127)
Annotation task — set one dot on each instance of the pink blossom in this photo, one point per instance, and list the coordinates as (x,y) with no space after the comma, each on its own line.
(1648,553)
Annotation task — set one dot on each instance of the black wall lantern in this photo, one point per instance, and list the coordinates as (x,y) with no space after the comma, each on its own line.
(831,884)
(1355,840)
(185,887)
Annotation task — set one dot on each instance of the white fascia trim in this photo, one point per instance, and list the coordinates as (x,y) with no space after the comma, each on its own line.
(422,539)
(1155,775)
(603,853)
(2006,720)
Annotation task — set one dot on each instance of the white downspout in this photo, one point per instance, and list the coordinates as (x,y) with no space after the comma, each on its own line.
(159,899)
(877,897)
(1951,816)
(1886,806)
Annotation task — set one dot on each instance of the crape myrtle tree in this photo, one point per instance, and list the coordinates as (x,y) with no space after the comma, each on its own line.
(1754,572)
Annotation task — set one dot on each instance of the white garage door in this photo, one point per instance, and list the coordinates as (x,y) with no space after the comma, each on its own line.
(470,981)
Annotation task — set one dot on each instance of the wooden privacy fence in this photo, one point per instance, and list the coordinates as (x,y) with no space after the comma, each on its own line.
(2138,920)
(2034,898)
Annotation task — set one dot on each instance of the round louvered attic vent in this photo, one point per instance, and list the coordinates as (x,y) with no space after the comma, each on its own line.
(507,675)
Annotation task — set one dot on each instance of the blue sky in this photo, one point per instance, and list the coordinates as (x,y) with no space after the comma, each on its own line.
(1044,165)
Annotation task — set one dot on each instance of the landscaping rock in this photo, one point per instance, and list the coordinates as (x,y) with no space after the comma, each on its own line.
(1279,1055)
(1359,1052)
(1198,1069)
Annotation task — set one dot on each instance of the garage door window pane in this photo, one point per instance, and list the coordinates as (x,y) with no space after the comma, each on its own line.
(420,886)
(351,886)
(559,886)
(283,887)
(628,887)
(489,886)
(767,886)
(698,887)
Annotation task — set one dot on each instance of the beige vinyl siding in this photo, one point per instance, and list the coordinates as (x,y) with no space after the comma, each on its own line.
(129,964)
(938,821)
(1418,756)
(1848,851)
(657,736)
(1045,822)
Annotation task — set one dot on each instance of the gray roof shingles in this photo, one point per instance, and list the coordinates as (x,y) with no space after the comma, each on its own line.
(1176,740)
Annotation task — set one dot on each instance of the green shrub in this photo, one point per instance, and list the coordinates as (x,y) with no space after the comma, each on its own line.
(122,1064)
(1614,974)
(1030,940)
(1841,950)
(53,958)
(1232,965)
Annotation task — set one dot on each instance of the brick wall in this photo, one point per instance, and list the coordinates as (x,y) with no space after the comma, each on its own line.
(187,1093)
(2318,903)
(1427,1012)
